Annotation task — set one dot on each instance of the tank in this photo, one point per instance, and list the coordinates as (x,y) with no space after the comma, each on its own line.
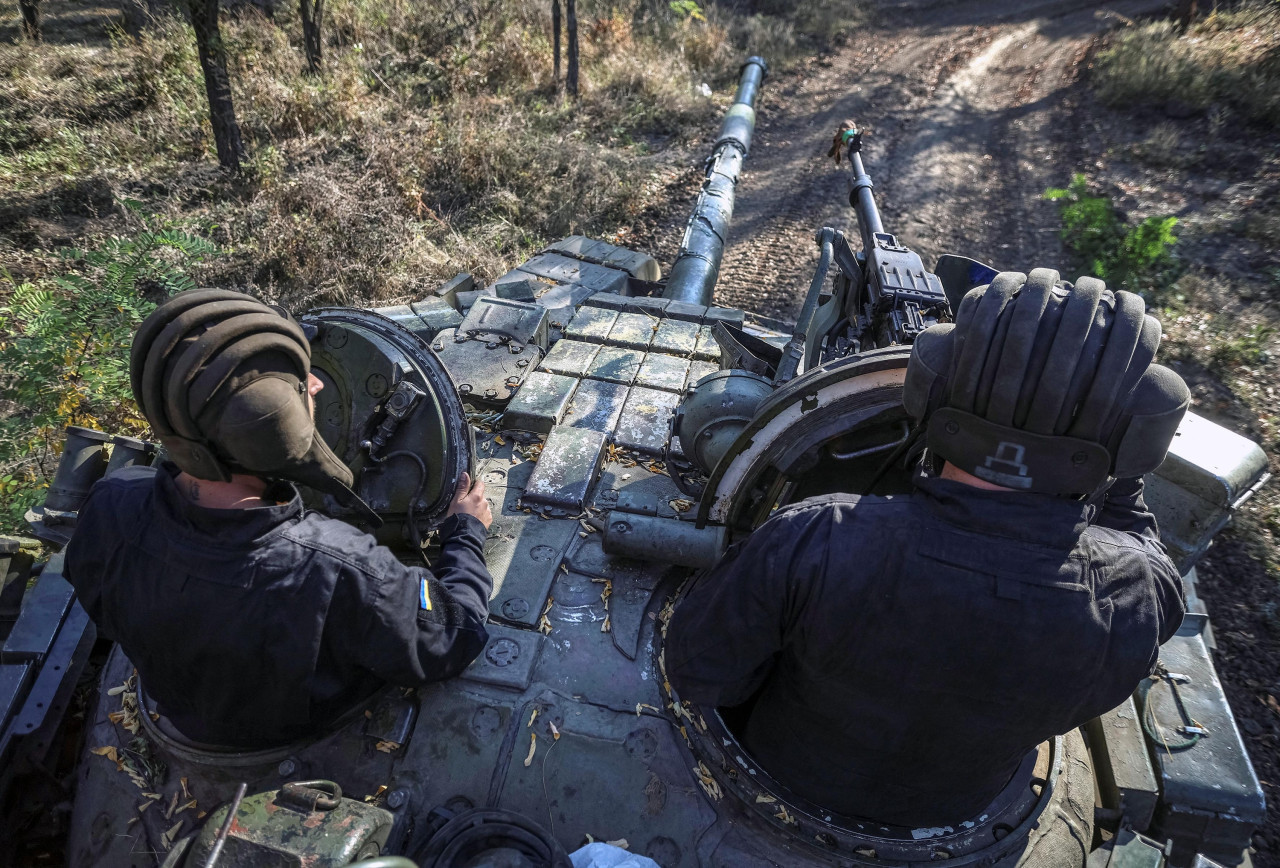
(627,431)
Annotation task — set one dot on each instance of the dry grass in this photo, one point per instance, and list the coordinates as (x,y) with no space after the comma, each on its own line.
(1230,58)
(434,141)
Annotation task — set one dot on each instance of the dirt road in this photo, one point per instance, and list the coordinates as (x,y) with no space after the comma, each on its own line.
(971,116)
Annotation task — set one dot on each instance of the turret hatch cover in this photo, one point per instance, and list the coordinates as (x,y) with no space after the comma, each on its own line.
(391,412)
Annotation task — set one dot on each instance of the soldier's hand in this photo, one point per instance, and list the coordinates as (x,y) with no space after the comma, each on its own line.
(469,500)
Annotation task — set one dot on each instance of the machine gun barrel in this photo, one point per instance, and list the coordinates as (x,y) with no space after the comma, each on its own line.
(864,202)
(696,269)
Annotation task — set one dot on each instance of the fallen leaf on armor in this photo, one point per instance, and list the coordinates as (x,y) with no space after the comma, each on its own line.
(604,628)
(785,817)
(708,783)
(681,505)
(188,805)
(388,746)
(173,806)
(555,733)
(640,705)
(497,438)
(621,842)
(170,836)
(116,691)
(186,794)
(533,717)
(763,799)
(667,611)
(533,747)
(111,754)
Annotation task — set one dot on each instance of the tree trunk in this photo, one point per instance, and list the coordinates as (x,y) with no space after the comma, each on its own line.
(555,41)
(311,12)
(571,13)
(30,19)
(217,83)
(1186,13)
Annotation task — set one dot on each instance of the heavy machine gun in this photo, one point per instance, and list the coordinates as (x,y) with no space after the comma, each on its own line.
(879,296)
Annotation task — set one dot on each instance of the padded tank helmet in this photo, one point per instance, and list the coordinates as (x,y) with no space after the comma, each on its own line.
(222,378)
(1042,386)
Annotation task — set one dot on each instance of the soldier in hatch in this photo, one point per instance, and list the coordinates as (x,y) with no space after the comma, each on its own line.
(251,620)
(904,654)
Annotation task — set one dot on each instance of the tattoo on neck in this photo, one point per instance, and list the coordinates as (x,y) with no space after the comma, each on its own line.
(193,491)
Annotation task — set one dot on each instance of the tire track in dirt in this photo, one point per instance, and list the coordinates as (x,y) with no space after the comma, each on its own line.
(970,112)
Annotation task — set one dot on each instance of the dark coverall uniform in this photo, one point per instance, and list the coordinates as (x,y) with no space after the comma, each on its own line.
(907,652)
(252,627)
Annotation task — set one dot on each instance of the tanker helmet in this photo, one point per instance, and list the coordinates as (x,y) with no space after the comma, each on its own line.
(1042,386)
(222,378)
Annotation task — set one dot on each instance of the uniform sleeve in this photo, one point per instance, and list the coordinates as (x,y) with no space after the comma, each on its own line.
(1124,510)
(724,639)
(82,565)
(427,625)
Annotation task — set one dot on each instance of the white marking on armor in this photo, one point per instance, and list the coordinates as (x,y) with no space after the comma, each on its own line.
(936,831)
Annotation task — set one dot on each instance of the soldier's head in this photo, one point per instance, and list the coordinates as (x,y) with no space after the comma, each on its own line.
(225,382)
(1042,386)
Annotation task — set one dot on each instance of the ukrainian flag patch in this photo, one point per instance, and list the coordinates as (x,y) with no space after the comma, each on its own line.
(424,597)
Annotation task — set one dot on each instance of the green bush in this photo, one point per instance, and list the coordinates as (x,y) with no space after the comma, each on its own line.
(64,350)
(1137,259)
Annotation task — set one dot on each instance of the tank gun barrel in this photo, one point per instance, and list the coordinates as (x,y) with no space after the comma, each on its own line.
(697,267)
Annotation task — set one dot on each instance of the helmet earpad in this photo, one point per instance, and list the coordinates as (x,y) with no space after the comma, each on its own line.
(1150,421)
(926,381)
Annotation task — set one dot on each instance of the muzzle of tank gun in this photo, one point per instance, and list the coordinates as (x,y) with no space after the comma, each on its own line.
(697,267)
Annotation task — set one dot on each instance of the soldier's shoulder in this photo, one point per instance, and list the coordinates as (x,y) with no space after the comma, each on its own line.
(342,542)
(841,507)
(123,486)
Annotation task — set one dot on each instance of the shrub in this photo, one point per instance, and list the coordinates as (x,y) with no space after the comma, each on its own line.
(1137,259)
